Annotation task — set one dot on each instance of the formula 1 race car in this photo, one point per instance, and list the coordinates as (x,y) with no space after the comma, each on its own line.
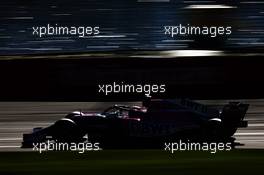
(147,126)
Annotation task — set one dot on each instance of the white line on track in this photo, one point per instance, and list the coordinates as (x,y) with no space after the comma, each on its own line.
(9,139)
(249,133)
(9,146)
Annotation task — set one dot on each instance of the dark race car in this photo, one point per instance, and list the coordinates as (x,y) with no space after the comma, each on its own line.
(148,126)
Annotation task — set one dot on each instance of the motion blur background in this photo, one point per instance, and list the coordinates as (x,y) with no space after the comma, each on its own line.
(129,25)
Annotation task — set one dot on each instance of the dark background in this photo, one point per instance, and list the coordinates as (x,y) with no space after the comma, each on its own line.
(77,79)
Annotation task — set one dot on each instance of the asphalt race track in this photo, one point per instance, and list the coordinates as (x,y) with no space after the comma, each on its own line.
(17,118)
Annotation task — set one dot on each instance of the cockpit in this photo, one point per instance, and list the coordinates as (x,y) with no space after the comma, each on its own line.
(122,111)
